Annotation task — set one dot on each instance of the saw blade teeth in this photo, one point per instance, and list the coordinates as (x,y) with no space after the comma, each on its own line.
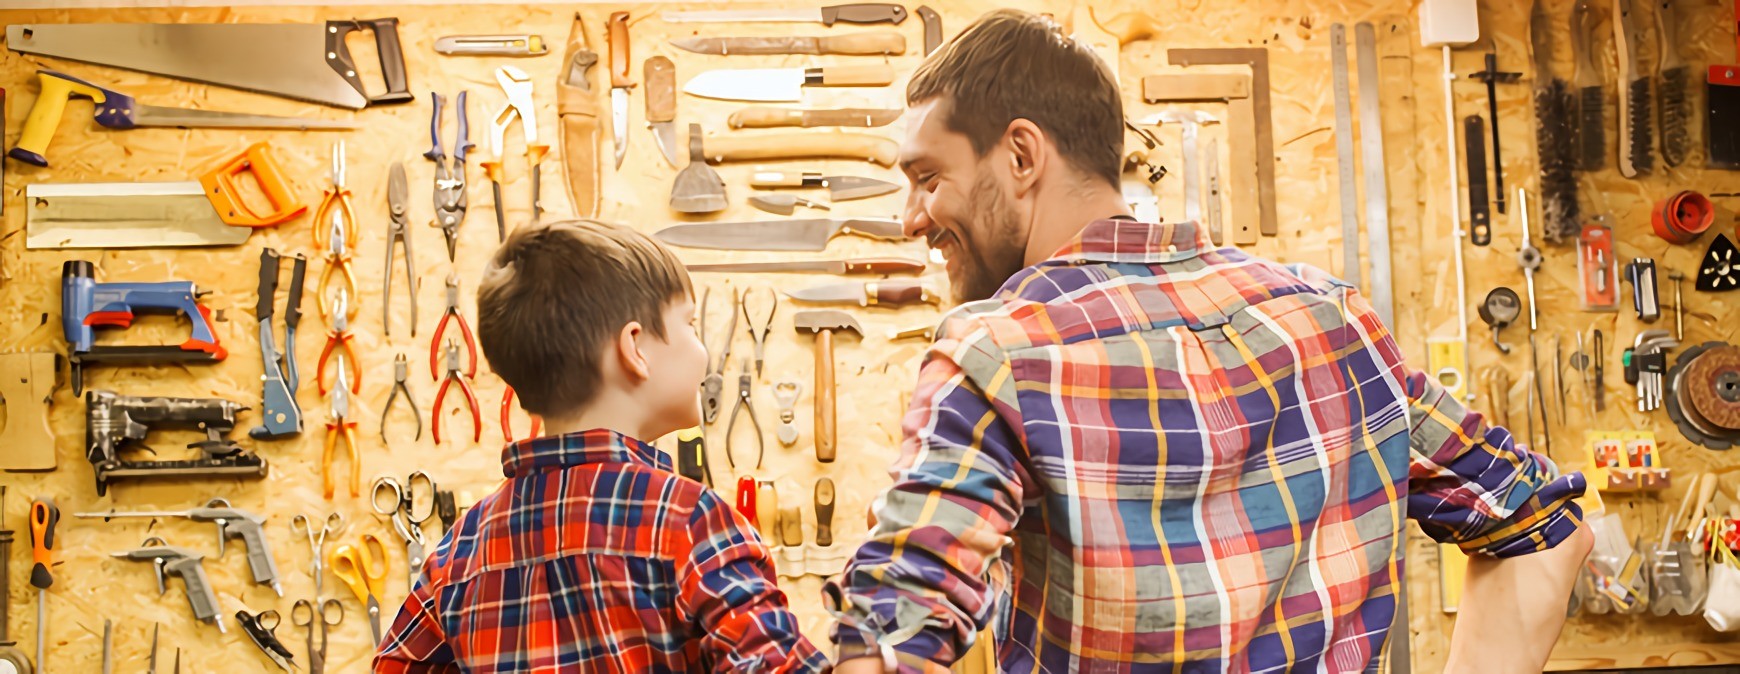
(1591,129)
(1642,150)
(1675,115)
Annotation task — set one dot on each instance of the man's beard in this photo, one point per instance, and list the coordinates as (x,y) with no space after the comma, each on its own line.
(985,265)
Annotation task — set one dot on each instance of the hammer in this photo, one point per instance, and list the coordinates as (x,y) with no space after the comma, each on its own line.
(823,324)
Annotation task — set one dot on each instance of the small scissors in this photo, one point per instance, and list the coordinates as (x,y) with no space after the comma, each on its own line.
(317,543)
(364,570)
(408,509)
(303,614)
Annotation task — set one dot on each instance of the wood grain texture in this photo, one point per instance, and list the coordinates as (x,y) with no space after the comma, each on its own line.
(875,375)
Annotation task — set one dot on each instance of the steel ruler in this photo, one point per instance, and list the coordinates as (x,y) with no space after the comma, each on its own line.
(1344,157)
(1377,191)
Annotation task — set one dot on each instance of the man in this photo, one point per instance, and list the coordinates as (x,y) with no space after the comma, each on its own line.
(1129,452)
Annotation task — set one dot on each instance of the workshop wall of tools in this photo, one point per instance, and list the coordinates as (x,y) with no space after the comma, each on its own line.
(1305,130)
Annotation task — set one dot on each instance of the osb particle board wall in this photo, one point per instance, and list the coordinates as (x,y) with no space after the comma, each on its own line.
(876,374)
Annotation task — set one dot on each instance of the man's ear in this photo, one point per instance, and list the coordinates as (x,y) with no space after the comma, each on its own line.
(1029,153)
(628,353)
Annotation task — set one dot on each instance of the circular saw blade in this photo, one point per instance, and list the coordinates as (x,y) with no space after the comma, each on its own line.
(1706,394)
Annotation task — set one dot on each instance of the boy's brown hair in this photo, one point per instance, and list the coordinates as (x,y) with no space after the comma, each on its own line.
(556,295)
(984,76)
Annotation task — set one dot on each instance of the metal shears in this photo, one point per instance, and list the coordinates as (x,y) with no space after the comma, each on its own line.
(306,616)
(364,570)
(408,508)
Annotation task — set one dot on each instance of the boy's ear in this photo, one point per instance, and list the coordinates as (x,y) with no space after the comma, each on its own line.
(628,352)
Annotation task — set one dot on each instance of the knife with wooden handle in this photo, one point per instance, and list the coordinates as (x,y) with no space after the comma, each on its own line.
(661,105)
(890,293)
(763,117)
(824,504)
(860,266)
(877,149)
(617,35)
(577,109)
(882,43)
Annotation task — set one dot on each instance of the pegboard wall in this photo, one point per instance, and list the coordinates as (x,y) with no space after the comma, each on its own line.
(875,373)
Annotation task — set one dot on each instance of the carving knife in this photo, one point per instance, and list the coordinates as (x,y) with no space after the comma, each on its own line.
(881,43)
(875,265)
(895,293)
(864,12)
(840,188)
(811,235)
(661,105)
(782,85)
(577,108)
(619,83)
(763,117)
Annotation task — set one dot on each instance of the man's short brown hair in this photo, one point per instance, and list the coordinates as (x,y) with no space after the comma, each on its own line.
(555,296)
(1013,65)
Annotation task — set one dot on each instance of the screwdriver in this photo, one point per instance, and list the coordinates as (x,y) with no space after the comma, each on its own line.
(43,518)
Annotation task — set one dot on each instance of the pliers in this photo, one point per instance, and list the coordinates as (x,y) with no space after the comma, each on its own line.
(339,232)
(760,338)
(340,423)
(507,430)
(401,370)
(518,87)
(398,232)
(713,387)
(451,313)
(450,200)
(745,399)
(339,336)
(453,375)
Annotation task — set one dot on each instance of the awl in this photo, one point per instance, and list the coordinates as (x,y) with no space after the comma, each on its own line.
(116,110)
(840,188)
(810,235)
(860,44)
(775,85)
(877,265)
(897,293)
(864,12)
(617,34)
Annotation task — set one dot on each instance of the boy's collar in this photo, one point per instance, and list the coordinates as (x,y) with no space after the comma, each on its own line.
(594,447)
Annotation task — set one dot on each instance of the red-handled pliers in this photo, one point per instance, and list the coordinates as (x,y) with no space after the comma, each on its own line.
(507,429)
(451,313)
(453,375)
(340,336)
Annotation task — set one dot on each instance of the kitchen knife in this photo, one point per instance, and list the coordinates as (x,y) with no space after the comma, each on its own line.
(617,35)
(810,145)
(840,188)
(810,235)
(861,44)
(866,12)
(777,85)
(895,293)
(871,265)
(661,105)
(762,117)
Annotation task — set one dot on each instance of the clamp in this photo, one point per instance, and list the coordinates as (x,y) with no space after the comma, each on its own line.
(745,399)
(397,234)
(450,199)
(453,375)
(451,313)
(339,336)
(400,372)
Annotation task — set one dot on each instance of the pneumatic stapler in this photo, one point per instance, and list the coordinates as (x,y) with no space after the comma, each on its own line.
(113,422)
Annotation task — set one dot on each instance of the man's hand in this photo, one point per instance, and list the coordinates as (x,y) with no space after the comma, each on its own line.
(1512,609)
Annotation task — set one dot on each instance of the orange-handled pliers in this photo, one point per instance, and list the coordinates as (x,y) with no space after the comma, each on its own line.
(453,375)
(339,337)
(334,231)
(451,313)
(507,429)
(339,423)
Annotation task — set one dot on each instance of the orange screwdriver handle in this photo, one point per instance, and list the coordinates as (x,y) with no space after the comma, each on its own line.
(44,516)
(222,189)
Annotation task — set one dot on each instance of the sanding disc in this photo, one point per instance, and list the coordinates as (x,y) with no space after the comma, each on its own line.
(1706,394)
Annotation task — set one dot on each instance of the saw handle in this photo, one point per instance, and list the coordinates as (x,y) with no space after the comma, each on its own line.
(386,44)
(46,112)
(222,188)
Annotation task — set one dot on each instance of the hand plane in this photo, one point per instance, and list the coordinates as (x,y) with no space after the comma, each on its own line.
(112,422)
(86,304)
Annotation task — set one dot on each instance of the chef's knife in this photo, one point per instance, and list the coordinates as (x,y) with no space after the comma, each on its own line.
(777,85)
(617,35)
(861,44)
(763,117)
(864,12)
(810,235)
(661,105)
(893,293)
(840,188)
(877,265)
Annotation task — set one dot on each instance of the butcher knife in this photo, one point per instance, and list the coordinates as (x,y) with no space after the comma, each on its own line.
(865,12)
(840,188)
(783,85)
(895,293)
(861,44)
(810,235)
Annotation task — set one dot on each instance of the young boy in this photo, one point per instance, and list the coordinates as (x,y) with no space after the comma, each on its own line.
(595,556)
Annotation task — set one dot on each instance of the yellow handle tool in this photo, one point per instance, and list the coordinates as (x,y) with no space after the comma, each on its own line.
(45,114)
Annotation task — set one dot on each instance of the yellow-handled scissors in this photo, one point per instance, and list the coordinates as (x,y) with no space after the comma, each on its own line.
(364,569)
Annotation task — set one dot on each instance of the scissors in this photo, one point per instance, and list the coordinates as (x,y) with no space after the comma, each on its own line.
(317,543)
(408,509)
(364,569)
(262,629)
(303,614)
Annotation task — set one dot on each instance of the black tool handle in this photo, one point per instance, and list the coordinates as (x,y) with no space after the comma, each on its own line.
(864,12)
(1479,215)
(692,458)
(1494,77)
(293,306)
(386,44)
(268,284)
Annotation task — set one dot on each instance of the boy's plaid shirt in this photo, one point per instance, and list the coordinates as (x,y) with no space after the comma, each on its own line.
(1172,458)
(596,557)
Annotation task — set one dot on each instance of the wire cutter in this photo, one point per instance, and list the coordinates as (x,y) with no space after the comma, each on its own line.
(760,338)
(713,387)
(340,423)
(507,429)
(339,337)
(398,232)
(518,87)
(262,628)
(451,313)
(453,375)
(745,400)
(363,568)
(401,369)
(336,236)
(450,199)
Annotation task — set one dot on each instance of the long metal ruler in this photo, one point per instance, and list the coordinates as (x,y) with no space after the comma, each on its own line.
(1377,191)
(1344,157)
